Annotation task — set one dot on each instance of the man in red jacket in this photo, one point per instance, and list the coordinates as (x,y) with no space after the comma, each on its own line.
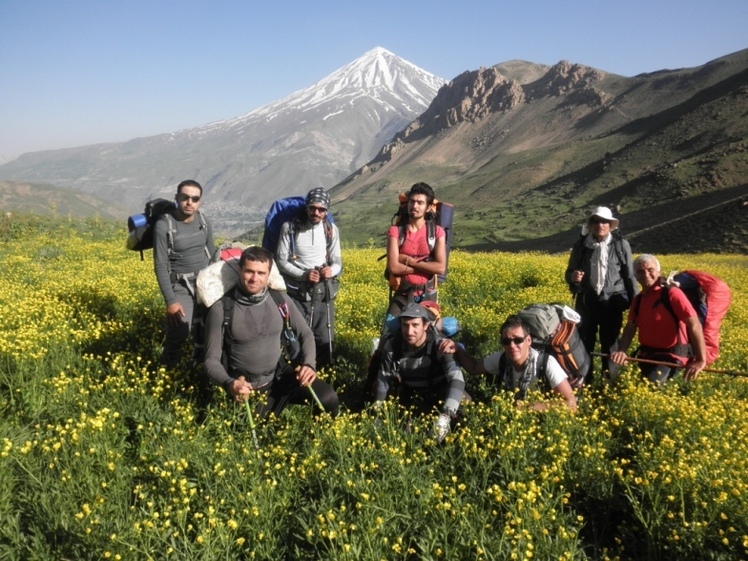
(669,330)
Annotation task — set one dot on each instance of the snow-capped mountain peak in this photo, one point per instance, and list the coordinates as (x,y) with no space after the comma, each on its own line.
(378,75)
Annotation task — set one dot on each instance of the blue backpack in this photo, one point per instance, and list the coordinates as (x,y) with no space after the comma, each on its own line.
(290,209)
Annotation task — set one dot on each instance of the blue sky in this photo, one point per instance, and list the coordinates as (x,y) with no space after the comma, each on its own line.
(75,72)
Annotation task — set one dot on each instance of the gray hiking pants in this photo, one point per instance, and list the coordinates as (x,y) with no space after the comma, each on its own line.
(193,320)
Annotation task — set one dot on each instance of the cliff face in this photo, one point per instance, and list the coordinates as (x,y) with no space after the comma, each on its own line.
(475,95)
(524,149)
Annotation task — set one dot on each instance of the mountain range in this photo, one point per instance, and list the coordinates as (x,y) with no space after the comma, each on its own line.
(523,150)
(314,137)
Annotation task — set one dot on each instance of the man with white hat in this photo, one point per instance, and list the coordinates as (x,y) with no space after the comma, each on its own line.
(601,276)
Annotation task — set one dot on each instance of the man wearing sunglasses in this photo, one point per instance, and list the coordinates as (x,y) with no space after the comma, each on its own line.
(600,274)
(308,257)
(518,367)
(182,246)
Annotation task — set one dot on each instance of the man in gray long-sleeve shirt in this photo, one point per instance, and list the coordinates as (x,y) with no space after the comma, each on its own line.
(308,257)
(426,375)
(182,246)
(254,362)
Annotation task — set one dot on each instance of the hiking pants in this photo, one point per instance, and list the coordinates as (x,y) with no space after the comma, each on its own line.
(176,335)
(603,316)
(286,390)
(323,335)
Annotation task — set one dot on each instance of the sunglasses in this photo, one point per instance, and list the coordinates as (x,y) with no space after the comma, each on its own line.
(184,197)
(317,209)
(598,221)
(506,341)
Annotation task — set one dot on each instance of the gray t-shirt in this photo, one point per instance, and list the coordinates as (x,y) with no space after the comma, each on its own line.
(189,256)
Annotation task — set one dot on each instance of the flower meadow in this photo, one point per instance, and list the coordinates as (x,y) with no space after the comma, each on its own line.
(106,455)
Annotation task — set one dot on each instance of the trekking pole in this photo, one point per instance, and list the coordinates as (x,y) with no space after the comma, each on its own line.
(311,311)
(676,365)
(314,395)
(251,422)
(575,295)
(329,325)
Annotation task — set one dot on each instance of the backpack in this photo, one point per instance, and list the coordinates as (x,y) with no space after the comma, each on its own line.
(289,343)
(220,277)
(375,359)
(554,332)
(290,209)
(140,226)
(710,297)
(442,214)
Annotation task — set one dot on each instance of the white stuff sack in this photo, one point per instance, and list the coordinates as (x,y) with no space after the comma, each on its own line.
(218,278)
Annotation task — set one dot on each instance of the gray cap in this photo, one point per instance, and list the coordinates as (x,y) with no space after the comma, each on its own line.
(413,310)
(318,196)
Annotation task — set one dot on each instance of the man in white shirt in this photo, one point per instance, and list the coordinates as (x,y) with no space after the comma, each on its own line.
(308,257)
(518,367)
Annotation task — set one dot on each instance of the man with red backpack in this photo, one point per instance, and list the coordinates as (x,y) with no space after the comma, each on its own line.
(669,331)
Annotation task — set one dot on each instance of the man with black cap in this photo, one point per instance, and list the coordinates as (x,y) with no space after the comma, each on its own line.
(601,276)
(426,377)
(308,257)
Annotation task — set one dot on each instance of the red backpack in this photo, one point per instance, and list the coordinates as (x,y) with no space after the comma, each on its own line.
(710,297)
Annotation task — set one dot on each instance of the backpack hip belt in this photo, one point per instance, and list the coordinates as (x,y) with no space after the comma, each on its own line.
(188,279)
(176,277)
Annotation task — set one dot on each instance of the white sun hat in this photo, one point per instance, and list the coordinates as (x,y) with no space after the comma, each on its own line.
(604,213)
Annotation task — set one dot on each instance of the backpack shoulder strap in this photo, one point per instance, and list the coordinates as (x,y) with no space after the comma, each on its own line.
(228,314)
(431,234)
(636,305)
(204,226)
(401,236)
(328,237)
(541,368)
(170,232)
(665,299)
(618,246)
(282,306)
(293,232)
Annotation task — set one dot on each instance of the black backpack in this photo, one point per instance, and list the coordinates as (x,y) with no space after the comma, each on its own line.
(140,226)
